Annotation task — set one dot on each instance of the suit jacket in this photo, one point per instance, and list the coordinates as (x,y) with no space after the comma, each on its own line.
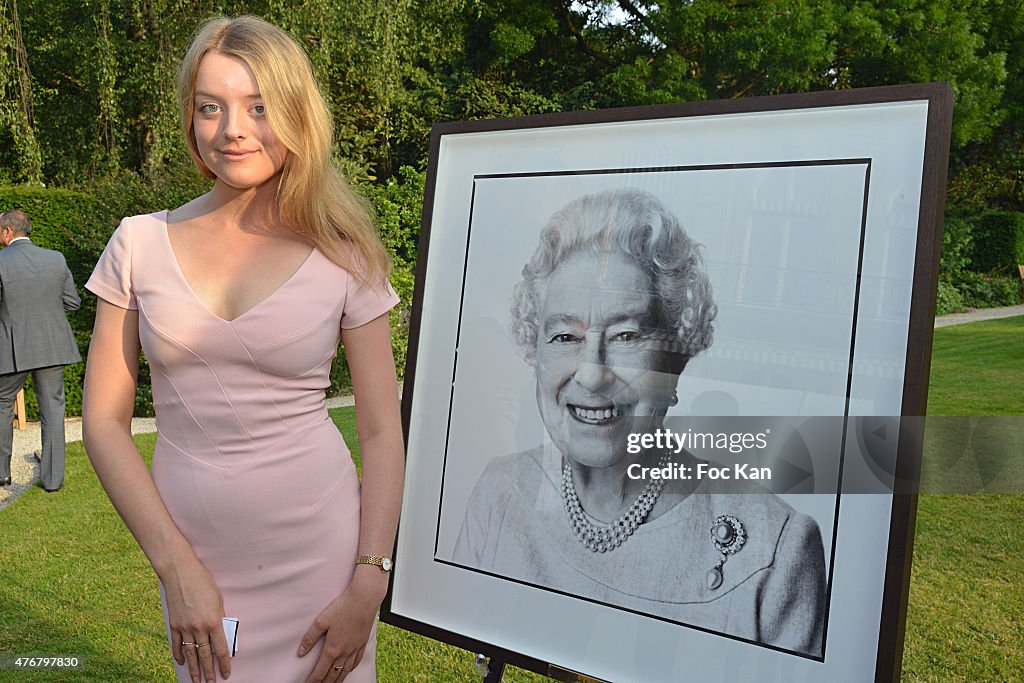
(36,288)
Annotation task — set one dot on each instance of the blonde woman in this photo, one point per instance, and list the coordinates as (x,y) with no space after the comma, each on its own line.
(252,509)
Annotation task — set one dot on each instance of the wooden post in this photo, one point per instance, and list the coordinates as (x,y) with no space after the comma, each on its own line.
(19,410)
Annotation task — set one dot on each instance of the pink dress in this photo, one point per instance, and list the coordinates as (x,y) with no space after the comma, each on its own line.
(247,461)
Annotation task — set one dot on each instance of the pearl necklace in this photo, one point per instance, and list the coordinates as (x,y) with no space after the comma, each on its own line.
(600,538)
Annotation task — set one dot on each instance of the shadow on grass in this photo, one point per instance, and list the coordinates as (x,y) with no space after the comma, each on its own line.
(35,634)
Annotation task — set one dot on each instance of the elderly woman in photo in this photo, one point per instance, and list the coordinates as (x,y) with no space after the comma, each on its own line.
(612,306)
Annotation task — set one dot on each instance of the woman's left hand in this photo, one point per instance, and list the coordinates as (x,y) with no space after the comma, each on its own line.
(345,626)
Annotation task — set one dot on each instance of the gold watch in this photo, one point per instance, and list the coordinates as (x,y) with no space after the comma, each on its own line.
(384,563)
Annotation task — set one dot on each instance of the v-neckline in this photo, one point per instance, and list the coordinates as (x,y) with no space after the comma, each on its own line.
(199,300)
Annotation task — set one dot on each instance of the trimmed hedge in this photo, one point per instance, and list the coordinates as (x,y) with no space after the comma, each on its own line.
(998,242)
(978,268)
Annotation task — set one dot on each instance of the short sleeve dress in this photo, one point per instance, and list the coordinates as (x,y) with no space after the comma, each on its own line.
(247,461)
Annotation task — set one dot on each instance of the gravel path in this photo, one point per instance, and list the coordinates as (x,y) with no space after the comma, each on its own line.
(979,314)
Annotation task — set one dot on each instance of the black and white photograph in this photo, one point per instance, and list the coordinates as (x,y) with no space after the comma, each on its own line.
(597,297)
(615,302)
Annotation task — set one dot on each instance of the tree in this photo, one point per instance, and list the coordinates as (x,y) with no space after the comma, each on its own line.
(579,54)
(990,172)
(16,124)
(98,98)
(909,41)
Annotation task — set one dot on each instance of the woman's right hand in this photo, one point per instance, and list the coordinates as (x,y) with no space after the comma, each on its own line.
(195,611)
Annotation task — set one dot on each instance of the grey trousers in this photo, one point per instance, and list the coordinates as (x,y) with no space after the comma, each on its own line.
(49,386)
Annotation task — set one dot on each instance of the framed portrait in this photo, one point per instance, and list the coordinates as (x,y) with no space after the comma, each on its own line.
(655,354)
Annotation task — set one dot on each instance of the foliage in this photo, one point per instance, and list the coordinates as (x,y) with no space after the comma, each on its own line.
(998,242)
(891,41)
(948,299)
(580,55)
(19,151)
(101,71)
(989,175)
(985,291)
(957,245)
(399,207)
(970,248)
(103,76)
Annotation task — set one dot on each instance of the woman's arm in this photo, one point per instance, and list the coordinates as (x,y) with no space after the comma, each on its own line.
(194,602)
(348,619)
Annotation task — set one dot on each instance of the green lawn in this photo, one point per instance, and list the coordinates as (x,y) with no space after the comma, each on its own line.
(72,580)
(978,369)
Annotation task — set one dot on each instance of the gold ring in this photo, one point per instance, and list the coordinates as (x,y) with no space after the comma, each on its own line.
(199,645)
(185,643)
(338,668)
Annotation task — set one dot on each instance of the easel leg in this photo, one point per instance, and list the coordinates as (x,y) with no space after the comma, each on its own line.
(495,669)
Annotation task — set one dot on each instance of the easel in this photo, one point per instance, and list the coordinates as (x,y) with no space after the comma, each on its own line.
(19,410)
(496,668)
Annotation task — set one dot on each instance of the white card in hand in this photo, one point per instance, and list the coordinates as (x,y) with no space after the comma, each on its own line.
(231,633)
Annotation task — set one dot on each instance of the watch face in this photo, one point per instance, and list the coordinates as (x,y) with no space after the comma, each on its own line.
(386,564)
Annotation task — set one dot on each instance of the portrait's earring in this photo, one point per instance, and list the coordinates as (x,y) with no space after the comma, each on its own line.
(674,400)
(729,536)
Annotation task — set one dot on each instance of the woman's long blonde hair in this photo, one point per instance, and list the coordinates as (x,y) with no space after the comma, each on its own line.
(313,199)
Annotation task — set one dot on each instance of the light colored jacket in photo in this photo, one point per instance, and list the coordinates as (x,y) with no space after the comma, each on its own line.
(773,589)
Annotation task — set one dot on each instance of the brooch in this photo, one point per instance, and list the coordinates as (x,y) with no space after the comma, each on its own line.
(729,536)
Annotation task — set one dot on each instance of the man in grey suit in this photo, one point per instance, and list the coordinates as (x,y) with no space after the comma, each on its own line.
(36,288)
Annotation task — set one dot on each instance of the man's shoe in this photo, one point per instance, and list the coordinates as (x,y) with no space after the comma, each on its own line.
(53,490)
(5,481)
(36,457)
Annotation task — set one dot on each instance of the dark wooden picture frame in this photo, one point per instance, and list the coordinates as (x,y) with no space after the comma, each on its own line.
(441,281)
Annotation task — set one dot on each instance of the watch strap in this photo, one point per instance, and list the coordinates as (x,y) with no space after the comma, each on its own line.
(383,562)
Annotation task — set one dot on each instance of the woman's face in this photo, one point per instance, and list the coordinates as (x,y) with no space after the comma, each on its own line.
(602,371)
(232,134)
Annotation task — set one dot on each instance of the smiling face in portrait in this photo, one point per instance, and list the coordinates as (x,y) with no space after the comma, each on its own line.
(233,136)
(602,368)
